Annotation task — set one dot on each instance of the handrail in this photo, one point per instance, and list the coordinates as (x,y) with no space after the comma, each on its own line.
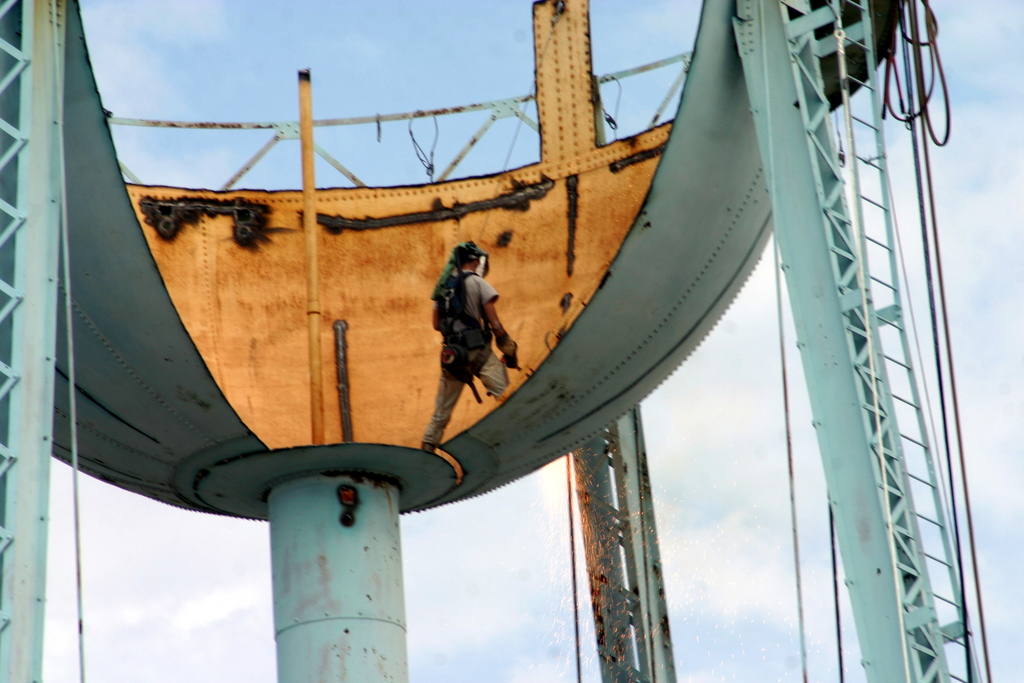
(356,120)
(289,130)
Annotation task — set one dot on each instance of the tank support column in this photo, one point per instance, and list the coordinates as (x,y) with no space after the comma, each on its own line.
(339,605)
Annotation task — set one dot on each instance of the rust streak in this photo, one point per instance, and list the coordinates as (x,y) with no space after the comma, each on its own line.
(344,399)
(646,154)
(571,188)
(168,216)
(517,200)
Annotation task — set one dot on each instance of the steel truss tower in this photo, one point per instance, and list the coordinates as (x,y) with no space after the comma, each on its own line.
(826,226)
(31,62)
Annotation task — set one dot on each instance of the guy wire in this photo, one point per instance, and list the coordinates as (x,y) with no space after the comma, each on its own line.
(919,74)
(835,592)
(911,117)
(58,54)
(572,562)
(789,460)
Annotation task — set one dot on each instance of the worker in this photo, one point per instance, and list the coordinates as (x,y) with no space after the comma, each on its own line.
(465,315)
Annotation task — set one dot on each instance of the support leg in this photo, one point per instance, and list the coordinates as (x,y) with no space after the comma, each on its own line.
(339,605)
(623,561)
(823,255)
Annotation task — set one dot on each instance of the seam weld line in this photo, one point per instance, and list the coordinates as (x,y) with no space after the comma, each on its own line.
(313,621)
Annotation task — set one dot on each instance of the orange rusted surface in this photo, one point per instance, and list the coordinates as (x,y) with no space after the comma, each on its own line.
(245,307)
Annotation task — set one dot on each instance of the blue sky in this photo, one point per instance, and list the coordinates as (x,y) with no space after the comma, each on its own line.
(173,595)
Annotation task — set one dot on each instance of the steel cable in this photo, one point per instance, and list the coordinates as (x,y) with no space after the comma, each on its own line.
(932,28)
(426,159)
(910,120)
(937,72)
(572,563)
(65,253)
(835,592)
(789,461)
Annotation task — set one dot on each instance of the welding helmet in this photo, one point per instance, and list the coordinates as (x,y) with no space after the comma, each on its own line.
(468,251)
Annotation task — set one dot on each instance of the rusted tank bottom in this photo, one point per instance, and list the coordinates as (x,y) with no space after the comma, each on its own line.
(339,605)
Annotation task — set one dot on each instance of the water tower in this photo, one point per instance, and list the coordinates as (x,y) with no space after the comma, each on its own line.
(258,354)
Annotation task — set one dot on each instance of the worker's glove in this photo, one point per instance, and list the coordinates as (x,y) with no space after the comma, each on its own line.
(508,347)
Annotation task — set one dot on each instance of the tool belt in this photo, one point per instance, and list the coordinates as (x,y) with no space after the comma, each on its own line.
(455,359)
(457,345)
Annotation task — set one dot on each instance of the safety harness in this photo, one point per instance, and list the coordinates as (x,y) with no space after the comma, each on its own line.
(451,307)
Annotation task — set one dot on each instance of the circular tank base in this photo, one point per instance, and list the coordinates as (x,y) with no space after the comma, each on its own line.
(240,485)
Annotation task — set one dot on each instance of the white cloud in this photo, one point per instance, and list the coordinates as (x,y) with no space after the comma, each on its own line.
(128,45)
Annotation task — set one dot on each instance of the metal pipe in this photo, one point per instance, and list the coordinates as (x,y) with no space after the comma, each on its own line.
(339,607)
(309,227)
(344,400)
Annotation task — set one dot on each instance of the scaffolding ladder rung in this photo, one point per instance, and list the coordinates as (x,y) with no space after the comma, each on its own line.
(870,161)
(883,282)
(860,83)
(897,362)
(942,562)
(868,199)
(853,41)
(929,484)
(864,123)
(916,443)
(883,245)
(906,401)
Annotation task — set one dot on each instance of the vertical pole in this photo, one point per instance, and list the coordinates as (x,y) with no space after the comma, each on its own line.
(28,268)
(309,227)
(339,606)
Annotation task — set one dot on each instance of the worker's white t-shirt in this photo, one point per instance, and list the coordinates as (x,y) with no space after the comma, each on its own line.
(478,292)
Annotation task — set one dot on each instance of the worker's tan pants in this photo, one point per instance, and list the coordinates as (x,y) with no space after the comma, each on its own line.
(484,365)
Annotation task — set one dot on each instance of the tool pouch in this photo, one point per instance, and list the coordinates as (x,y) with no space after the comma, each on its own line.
(474,338)
(454,358)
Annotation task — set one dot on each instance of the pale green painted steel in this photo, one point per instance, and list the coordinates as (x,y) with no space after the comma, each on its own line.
(339,605)
(823,249)
(30,201)
(936,552)
(613,487)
